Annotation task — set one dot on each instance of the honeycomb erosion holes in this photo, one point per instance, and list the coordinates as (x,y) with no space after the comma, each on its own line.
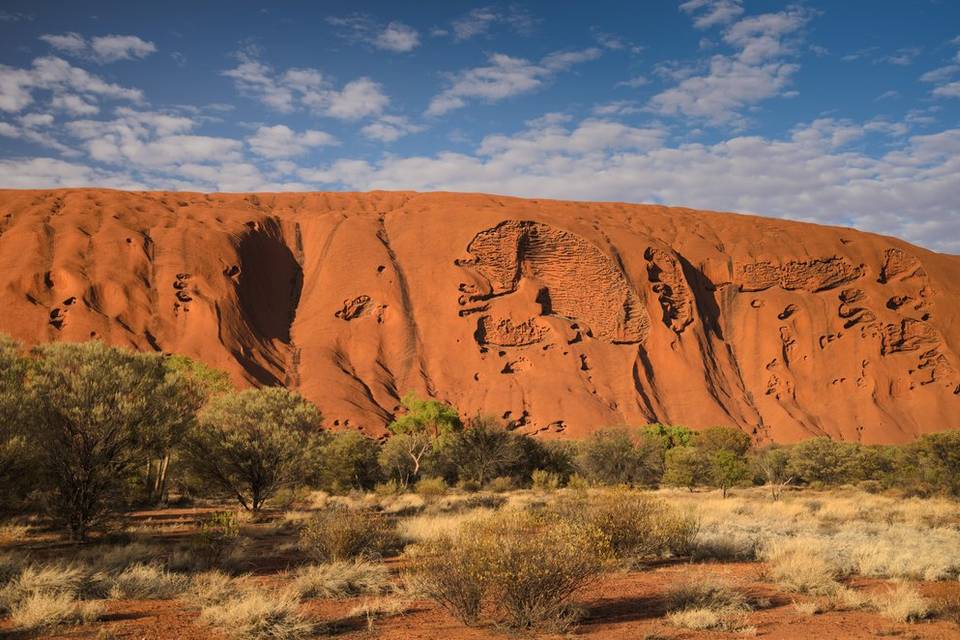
(561,317)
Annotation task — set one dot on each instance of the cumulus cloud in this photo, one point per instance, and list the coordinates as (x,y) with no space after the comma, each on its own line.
(306,88)
(280,141)
(397,37)
(757,71)
(390,128)
(64,80)
(101,49)
(814,173)
(503,77)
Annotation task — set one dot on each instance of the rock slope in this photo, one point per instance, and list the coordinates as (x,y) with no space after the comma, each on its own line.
(559,317)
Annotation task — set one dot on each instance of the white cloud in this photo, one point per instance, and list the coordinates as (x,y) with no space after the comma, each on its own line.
(949,90)
(903,57)
(280,141)
(813,174)
(360,28)
(940,74)
(504,77)
(398,37)
(72,43)
(714,12)
(359,98)
(390,128)
(58,76)
(308,88)
(101,49)
(634,83)
(757,71)
(480,20)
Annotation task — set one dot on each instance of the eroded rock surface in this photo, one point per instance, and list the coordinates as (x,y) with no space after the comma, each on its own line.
(560,317)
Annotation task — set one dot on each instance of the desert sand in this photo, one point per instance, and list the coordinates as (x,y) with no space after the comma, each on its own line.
(559,317)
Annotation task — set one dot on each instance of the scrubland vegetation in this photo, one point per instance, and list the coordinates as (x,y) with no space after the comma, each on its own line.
(143,478)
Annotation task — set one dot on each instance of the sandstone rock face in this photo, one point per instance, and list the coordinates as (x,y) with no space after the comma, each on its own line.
(559,317)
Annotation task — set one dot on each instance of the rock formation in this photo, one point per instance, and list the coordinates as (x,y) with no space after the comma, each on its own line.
(559,317)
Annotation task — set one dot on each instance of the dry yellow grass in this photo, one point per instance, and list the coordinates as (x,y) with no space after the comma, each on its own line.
(256,614)
(44,610)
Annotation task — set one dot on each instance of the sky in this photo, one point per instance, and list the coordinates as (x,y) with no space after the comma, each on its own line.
(843,113)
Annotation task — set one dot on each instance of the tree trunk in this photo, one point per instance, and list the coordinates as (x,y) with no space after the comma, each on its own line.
(162,474)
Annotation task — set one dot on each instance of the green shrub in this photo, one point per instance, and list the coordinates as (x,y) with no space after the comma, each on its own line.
(343,534)
(348,460)
(431,487)
(544,480)
(523,567)
(501,484)
(621,456)
(686,467)
(252,443)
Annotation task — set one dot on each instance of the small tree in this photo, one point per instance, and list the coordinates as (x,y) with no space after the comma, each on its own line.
(620,456)
(98,410)
(723,439)
(206,382)
(822,460)
(348,460)
(251,443)
(484,450)
(670,435)
(773,464)
(727,470)
(426,426)
(17,456)
(685,467)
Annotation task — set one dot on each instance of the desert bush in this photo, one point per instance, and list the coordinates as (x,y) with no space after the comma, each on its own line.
(621,456)
(933,460)
(524,567)
(707,604)
(344,534)
(218,534)
(147,582)
(341,579)
(250,444)
(212,588)
(543,480)
(823,461)
(903,603)
(430,487)
(502,484)
(798,566)
(484,450)
(638,526)
(686,466)
(46,610)
(348,460)
(253,615)
(52,579)
(99,411)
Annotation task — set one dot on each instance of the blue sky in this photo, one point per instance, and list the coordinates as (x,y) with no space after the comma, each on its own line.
(834,112)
